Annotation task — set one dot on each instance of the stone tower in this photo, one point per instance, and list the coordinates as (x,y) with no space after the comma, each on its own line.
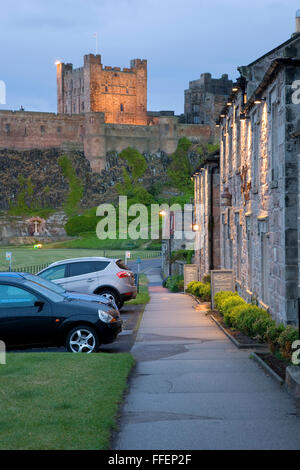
(120,94)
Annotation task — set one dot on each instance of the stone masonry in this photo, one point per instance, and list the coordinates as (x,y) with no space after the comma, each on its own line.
(259,182)
(120,94)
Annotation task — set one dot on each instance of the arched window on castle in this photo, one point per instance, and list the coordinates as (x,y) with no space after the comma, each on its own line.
(43,130)
(7,129)
(122,108)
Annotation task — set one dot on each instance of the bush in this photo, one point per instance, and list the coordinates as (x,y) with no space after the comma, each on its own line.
(272,334)
(228,304)
(220,297)
(175,283)
(199,289)
(285,341)
(206,279)
(260,327)
(245,322)
(81,223)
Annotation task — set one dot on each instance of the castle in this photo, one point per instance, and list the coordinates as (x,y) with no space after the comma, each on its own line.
(100,109)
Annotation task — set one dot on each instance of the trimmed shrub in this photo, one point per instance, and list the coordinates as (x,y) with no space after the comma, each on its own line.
(272,334)
(220,297)
(248,317)
(81,223)
(199,289)
(285,341)
(260,327)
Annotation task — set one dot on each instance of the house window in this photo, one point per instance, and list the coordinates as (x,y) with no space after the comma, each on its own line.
(274,137)
(59,130)
(7,129)
(249,249)
(238,244)
(82,106)
(196,120)
(127,91)
(106,88)
(43,130)
(255,151)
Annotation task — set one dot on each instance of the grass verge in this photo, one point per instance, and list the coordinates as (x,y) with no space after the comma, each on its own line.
(143,296)
(60,400)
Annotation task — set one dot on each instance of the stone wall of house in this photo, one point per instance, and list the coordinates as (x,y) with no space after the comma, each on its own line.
(259,182)
(207,217)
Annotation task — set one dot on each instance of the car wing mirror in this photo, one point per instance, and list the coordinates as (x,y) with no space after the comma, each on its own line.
(39,304)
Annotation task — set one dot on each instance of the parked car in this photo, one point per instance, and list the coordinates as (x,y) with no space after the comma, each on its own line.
(32,314)
(110,278)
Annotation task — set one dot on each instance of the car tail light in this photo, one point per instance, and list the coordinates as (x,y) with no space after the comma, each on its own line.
(123,274)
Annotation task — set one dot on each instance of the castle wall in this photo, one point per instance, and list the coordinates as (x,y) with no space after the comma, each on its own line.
(21,130)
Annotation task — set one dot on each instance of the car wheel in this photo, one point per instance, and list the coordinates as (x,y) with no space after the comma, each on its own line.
(110,295)
(82,339)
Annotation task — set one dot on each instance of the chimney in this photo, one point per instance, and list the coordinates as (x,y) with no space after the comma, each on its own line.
(297,30)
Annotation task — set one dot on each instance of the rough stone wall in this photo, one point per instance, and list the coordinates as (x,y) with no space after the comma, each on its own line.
(207,216)
(120,94)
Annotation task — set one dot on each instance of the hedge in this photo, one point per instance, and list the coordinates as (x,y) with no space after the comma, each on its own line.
(255,322)
(200,289)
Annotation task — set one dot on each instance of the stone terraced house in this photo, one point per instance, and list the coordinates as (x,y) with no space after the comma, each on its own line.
(259,182)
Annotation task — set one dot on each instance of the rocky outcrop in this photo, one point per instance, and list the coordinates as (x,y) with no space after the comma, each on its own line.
(50,188)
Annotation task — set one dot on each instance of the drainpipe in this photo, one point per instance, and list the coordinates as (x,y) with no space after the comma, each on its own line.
(211,217)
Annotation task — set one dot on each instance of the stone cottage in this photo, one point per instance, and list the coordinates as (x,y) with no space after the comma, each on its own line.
(259,181)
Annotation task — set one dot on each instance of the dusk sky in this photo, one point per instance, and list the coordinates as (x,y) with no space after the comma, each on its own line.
(180,40)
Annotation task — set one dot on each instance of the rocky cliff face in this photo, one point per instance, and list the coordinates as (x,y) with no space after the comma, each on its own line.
(50,188)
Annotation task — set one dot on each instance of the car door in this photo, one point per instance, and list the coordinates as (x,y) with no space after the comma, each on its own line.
(84,276)
(57,274)
(25,317)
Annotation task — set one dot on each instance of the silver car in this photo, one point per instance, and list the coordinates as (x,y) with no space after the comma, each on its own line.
(108,277)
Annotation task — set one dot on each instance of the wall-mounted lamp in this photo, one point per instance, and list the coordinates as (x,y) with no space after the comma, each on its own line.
(259,100)
(229,103)
(196,227)
(235,89)
(222,115)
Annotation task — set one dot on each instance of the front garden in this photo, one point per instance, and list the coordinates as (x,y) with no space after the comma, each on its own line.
(249,325)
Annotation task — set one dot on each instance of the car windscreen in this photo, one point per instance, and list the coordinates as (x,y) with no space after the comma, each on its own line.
(39,289)
(43,282)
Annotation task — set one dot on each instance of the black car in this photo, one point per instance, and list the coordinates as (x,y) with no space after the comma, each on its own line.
(34,312)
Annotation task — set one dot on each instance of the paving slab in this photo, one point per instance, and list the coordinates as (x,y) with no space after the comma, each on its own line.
(192,389)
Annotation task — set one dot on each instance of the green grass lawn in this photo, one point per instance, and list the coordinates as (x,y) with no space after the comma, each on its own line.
(22,257)
(60,400)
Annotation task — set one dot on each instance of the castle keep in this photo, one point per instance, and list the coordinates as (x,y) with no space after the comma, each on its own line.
(120,94)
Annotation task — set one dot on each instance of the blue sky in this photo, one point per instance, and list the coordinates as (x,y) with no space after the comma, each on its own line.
(180,39)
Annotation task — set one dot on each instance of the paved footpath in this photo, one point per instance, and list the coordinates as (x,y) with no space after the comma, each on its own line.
(193,389)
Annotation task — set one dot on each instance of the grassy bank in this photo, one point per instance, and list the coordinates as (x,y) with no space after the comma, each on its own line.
(60,400)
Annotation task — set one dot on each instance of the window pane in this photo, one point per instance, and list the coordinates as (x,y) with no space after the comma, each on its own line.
(57,272)
(85,267)
(11,296)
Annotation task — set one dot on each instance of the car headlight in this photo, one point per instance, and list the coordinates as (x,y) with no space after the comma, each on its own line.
(105,317)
